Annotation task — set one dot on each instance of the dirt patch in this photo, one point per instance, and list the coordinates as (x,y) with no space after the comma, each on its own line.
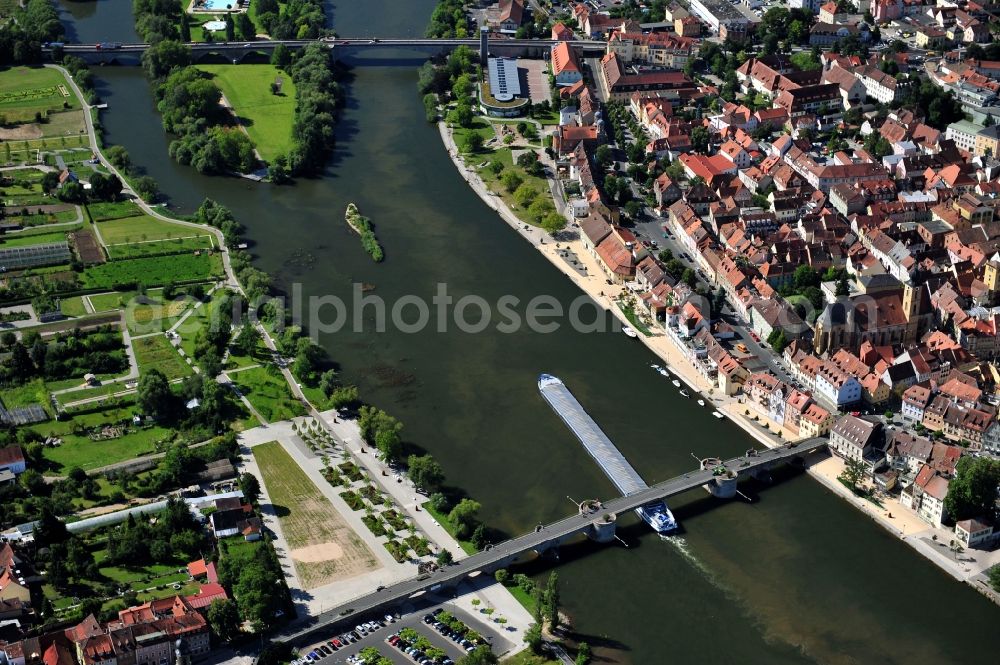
(21,132)
(318,553)
(87,247)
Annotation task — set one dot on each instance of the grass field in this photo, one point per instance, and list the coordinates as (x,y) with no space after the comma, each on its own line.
(20,240)
(269,393)
(322,546)
(103,210)
(142,228)
(72,306)
(106,302)
(27,90)
(79,450)
(153,271)
(267,117)
(33,392)
(160,247)
(156,352)
(492,181)
(154,315)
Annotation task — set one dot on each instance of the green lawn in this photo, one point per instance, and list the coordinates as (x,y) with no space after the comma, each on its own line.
(492,181)
(27,90)
(267,117)
(104,210)
(156,352)
(33,392)
(155,315)
(79,450)
(106,302)
(26,240)
(86,393)
(142,228)
(72,306)
(153,271)
(269,393)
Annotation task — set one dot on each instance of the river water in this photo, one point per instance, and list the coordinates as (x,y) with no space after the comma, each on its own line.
(797,577)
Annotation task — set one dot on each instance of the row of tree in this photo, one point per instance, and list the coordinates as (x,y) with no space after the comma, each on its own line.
(317,96)
(70,354)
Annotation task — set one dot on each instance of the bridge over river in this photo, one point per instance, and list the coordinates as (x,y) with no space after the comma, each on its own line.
(592,518)
(126,54)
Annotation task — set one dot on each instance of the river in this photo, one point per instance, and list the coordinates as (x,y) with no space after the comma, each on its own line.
(797,577)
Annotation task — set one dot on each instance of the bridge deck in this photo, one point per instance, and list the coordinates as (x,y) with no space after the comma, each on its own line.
(605,453)
(505,552)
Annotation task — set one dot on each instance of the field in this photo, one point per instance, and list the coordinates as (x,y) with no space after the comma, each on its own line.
(143,228)
(33,392)
(154,315)
(103,210)
(156,352)
(322,546)
(22,240)
(269,393)
(492,181)
(79,450)
(72,306)
(267,117)
(153,271)
(25,91)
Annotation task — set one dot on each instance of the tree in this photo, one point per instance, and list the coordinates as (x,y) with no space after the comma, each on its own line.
(553,223)
(248,339)
(843,288)
(501,576)
(533,638)
(853,473)
(583,655)
(478,538)
(104,187)
(50,181)
(524,195)
(699,139)
(71,191)
(511,181)
(230,27)
(688,277)
(146,188)
(973,490)
(430,107)
(244,27)
(552,601)
(119,157)
(777,340)
(473,142)
(250,486)
(281,56)
(444,557)
(164,57)
(154,396)
(389,444)
(993,574)
(481,655)
(464,517)
(224,619)
(426,473)
(603,156)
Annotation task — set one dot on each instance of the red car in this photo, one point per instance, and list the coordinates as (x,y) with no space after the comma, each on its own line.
(754,336)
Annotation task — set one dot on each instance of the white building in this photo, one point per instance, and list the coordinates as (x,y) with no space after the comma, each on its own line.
(836,386)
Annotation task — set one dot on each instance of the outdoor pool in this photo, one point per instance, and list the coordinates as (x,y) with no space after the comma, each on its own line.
(214,26)
(218,5)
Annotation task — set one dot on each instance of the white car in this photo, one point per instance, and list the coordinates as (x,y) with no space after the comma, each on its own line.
(389,618)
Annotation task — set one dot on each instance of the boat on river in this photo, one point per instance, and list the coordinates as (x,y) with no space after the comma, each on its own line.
(629,332)
(622,475)
(685,393)
(718,415)
(677,384)
(663,372)
(701,402)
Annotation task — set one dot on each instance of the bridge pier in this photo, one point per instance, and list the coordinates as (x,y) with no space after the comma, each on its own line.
(723,483)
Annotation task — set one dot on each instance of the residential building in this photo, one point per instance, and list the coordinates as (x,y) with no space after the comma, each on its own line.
(816,421)
(964,133)
(836,386)
(12,460)
(975,534)
(565,65)
(858,439)
(926,496)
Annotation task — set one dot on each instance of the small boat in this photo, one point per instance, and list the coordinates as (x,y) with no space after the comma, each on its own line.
(701,402)
(677,384)
(684,393)
(629,332)
(656,367)
(718,415)
(663,372)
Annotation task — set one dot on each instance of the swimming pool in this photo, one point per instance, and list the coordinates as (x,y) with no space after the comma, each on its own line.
(218,5)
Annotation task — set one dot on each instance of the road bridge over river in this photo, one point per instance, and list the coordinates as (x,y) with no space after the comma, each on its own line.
(236,51)
(541,539)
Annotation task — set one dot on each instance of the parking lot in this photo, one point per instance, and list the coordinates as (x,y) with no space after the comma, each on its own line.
(377,638)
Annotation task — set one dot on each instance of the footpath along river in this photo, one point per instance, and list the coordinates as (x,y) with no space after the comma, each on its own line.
(797,577)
